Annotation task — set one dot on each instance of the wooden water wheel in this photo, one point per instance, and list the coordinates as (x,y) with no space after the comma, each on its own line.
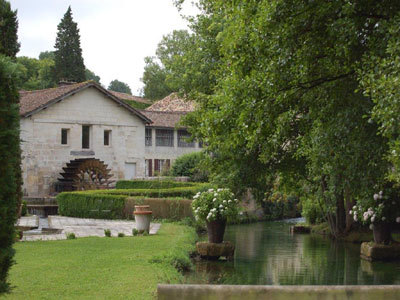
(85,174)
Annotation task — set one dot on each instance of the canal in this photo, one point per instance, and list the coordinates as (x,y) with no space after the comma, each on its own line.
(268,254)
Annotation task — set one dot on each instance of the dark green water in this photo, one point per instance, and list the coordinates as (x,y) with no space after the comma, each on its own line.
(267,254)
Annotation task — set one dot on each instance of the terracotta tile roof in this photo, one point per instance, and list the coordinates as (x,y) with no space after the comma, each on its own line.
(173,103)
(125,96)
(34,101)
(164,118)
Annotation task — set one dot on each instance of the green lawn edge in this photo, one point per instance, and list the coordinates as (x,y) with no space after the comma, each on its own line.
(101,268)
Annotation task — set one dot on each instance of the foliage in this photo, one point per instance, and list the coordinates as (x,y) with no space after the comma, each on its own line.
(24,209)
(287,101)
(118,205)
(137,105)
(162,208)
(119,86)
(190,165)
(135,232)
(36,74)
(47,55)
(279,206)
(9,45)
(186,192)
(184,62)
(121,234)
(10,152)
(151,184)
(125,263)
(90,205)
(71,236)
(90,75)
(154,80)
(107,232)
(379,79)
(212,205)
(312,210)
(68,55)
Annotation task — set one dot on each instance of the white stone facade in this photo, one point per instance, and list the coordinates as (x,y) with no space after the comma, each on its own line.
(44,155)
(164,153)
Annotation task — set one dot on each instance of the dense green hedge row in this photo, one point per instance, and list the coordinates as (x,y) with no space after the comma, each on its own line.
(151,184)
(185,192)
(91,205)
(162,208)
(119,203)
(102,206)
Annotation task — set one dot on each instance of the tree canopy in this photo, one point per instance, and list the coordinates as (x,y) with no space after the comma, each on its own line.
(9,45)
(69,64)
(119,86)
(10,153)
(291,92)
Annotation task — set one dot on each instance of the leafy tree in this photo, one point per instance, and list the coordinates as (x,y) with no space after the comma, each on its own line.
(190,164)
(47,55)
(154,79)
(89,75)
(286,99)
(184,62)
(35,74)
(9,45)
(10,153)
(68,55)
(119,86)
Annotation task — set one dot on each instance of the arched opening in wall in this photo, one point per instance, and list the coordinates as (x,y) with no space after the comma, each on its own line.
(84,174)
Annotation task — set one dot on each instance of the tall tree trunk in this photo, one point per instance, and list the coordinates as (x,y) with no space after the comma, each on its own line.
(349,205)
(340,213)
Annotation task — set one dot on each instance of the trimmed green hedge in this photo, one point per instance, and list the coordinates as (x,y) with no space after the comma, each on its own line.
(151,184)
(162,208)
(185,192)
(115,204)
(91,205)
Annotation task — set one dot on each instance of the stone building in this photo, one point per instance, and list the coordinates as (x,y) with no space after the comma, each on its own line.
(80,120)
(166,139)
(83,120)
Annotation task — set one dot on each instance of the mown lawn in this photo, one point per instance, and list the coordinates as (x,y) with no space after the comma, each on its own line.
(100,268)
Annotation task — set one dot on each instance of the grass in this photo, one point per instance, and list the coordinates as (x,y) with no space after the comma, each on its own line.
(100,268)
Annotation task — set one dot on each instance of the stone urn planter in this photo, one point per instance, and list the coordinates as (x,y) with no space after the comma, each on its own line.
(216,231)
(143,216)
(382,233)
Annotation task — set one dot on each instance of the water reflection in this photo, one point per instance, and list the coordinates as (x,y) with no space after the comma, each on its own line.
(266,253)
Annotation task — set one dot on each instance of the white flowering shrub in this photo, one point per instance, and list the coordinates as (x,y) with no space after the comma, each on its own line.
(381,207)
(215,204)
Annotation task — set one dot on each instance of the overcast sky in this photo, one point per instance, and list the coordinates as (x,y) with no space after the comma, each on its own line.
(116,35)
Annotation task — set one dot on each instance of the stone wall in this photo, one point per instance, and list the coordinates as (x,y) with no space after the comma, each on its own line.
(43,155)
(254,292)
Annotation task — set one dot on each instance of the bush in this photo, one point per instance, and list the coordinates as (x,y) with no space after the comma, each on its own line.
(312,211)
(107,232)
(89,204)
(71,236)
(186,192)
(135,232)
(162,208)
(24,209)
(190,165)
(151,184)
(121,234)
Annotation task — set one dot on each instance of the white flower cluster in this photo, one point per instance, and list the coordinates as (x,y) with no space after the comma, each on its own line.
(375,213)
(214,204)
